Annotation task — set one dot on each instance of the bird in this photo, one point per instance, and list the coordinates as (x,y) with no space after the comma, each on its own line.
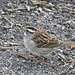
(41,43)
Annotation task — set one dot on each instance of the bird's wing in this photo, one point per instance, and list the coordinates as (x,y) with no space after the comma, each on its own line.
(43,39)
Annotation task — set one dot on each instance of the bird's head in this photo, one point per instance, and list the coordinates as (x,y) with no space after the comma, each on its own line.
(30,29)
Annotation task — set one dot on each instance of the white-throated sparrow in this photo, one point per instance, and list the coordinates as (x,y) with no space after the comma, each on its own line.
(41,43)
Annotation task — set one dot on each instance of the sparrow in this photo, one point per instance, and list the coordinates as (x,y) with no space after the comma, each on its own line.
(41,43)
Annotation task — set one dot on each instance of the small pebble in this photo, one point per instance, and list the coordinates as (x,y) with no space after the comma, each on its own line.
(23,60)
(63,27)
(2,12)
(71,66)
(68,49)
(73,38)
(17,60)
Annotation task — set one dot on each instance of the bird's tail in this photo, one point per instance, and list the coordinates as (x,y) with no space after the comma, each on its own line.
(68,44)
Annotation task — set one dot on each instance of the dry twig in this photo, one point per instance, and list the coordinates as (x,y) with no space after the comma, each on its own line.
(24,55)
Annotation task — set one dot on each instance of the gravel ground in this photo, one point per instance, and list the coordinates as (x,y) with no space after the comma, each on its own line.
(56,17)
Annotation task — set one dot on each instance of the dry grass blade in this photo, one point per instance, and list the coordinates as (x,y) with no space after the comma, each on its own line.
(8,20)
(40,9)
(63,57)
(13,44)
(24,55)
(7,48)
(11,10)
(66,8)
(73,15)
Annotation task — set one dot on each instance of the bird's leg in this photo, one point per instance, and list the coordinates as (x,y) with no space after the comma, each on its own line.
(39,57)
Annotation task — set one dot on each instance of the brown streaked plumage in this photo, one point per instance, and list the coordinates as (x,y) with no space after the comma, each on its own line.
(41,43)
